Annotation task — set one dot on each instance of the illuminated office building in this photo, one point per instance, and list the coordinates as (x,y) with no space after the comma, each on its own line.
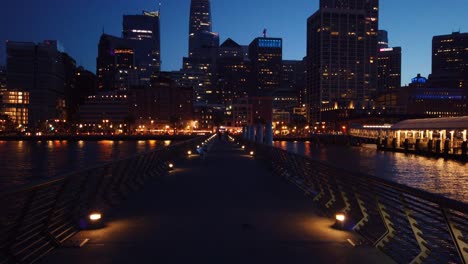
(36,82)
(3,80)
(232,71)
(143,33)
(116,68)
(388,65)
(293,79)
(341,58)
(266,58)
(450,61)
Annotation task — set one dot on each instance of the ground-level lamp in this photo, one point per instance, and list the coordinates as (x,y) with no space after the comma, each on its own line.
(170,166)
(95,217)
(93,220)
(252,153)
(340,218)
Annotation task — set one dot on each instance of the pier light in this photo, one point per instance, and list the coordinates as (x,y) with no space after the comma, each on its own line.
(93,220)
(243,147)
(170,166)
(340,218)
(252,153)
(189,152)
(95,216)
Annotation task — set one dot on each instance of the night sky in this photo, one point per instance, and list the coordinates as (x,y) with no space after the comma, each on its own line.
(79,24)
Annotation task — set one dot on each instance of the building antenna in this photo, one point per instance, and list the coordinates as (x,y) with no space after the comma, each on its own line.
(159,7)
(264,32)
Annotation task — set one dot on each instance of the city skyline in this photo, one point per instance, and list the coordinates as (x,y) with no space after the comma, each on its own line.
(63,23)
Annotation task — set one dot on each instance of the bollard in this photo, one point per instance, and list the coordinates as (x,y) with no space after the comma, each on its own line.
(269,134)
(251,132)
(437,146)
(259,134)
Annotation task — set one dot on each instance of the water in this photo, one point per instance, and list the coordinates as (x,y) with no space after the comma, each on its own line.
(28,161)
(446,177)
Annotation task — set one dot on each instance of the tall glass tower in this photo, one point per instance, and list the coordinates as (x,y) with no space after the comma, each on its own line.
(203,46)
(200,30)
(143,33)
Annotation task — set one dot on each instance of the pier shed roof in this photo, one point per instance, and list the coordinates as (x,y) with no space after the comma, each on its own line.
(433,123)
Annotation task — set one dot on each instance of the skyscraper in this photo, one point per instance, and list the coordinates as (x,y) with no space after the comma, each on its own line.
(200,29)
(203,46)
(382,39)
(143,32)
(232,71)
(388,65)
(266,57)
(116,64)
(341,57)
(450,61)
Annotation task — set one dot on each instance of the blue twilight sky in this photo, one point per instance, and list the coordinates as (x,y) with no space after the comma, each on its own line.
(79,24)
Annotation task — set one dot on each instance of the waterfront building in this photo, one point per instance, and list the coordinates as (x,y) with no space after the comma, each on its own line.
(40,71)
(342,58)
(437,102)
(450,61)
(446,135)
(164,103)
(143,33)
(106,111)
(266,57)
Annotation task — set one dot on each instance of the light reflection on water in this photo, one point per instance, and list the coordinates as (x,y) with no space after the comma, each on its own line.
(25,161)
(446,177)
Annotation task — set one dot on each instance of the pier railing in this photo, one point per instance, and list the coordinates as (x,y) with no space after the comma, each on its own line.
(38,218)
(408,224)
